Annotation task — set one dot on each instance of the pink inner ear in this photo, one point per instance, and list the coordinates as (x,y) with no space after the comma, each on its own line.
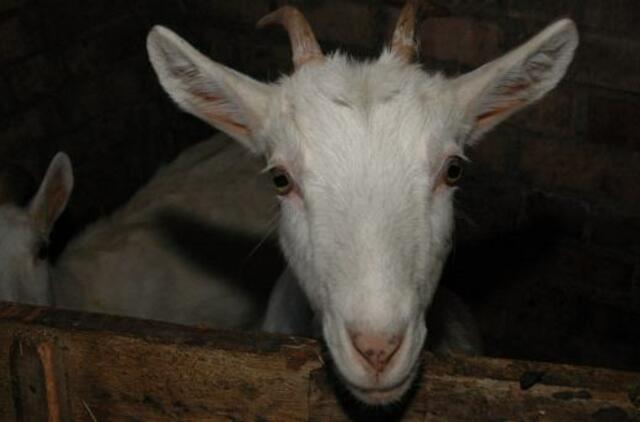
(516,87)
(55,198)
(50,206)
(507,91)
(221,118)
(489,116)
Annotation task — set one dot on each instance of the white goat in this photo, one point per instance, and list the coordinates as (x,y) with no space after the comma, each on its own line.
(140,261)
(24,235)
(365,157)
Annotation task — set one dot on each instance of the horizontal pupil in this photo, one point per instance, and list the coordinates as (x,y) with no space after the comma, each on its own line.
(454,171)
(281,181)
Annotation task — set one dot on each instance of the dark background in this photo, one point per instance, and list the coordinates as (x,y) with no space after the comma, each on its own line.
(548,234)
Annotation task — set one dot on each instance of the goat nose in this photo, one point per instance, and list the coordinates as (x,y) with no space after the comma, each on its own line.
(377,350)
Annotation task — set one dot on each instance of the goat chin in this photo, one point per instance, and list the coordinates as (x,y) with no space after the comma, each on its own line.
(450,323)
(386,396)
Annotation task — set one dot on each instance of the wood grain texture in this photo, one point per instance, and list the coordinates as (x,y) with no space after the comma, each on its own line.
(78,366)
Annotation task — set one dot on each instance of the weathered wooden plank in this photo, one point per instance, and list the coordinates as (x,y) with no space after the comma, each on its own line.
(480,389)
(27,381)
(109,368)
(119,368)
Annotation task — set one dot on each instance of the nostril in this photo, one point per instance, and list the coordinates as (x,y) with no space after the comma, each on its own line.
(377,350)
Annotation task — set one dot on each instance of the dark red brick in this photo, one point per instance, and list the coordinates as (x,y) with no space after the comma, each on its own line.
(462,40)
(609,62)
(557,213)
(591,171)
(19,142)
(592,268)
(487,206)
(7,99)
(246,11)
(99,52)
(619,17)
(620,180)
(32,124)
(545,10)
(172,13)
(496,151)
(264,55)
(610,229)
(556,165)
(553,115)
(636,288)
(8,5)
(65,21)
(617,324)
(85,100)
(485,8)
(355,24)
(17,40)
(131,81)
(35,76)
(614,121)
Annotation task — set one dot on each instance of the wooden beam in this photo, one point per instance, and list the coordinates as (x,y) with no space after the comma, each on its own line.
(63,365)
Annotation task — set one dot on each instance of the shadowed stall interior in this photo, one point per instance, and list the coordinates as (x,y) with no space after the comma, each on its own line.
(547,242)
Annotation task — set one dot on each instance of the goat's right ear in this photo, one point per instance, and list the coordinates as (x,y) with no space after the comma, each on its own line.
(498,89)
(53,193)
(222,97)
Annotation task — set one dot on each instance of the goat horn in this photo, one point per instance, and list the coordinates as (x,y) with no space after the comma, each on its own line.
(403,43)
(304,46)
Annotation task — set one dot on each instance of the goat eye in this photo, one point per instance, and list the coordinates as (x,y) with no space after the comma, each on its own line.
(453,171)
(42,251)
(281,180)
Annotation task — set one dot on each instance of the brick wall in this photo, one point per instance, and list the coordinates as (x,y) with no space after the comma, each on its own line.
(549,228)
(548,235)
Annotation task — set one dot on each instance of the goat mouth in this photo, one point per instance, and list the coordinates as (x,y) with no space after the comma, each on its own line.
(382,396)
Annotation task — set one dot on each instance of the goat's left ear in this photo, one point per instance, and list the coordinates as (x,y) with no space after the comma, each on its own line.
(222,97)
(53,193)
(498,89)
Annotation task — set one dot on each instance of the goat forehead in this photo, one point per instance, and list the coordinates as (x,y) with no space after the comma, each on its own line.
(356,116)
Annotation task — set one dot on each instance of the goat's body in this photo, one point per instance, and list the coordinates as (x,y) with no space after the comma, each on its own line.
(139,262)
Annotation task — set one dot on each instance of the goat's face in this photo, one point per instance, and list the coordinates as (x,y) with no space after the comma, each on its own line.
(24,233)
(364,157)
(367,213)
(23,266)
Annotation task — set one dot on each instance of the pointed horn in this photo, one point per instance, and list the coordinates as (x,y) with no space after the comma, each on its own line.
(403,43)
(304,46)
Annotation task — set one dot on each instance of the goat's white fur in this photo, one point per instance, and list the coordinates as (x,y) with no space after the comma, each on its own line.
(24,276)
(138,262)
(368,232)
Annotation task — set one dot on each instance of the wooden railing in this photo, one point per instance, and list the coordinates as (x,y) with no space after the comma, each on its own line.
(63,365)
